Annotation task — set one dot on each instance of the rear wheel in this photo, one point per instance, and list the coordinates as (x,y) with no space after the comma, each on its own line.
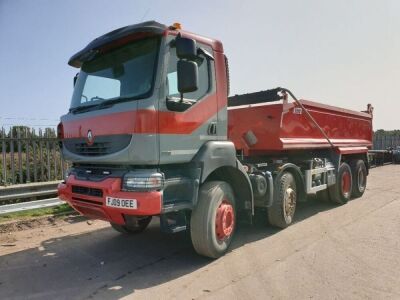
(213,220)
(281,213)
(340,192)
(359,173)
(137,226)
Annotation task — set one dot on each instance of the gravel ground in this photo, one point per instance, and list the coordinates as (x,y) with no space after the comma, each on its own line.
(331,252)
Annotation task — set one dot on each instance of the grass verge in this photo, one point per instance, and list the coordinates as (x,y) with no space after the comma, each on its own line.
(39,212)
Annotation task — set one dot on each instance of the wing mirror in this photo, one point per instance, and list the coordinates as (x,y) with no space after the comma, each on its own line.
(188,76)
(186,48)
(187,69)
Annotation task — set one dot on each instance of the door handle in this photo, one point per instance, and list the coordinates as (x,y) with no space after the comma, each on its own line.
(212,128)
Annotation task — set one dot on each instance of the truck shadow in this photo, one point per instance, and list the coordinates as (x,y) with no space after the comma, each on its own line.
(109,265)
(262,229)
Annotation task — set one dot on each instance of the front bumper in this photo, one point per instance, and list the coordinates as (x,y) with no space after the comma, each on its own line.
(89,199)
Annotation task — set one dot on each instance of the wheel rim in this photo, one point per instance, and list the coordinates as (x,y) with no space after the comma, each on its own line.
(361,179)
(346,183)
(290,203)
(224,220)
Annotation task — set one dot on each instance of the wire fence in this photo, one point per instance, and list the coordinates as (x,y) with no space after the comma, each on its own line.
(29,155)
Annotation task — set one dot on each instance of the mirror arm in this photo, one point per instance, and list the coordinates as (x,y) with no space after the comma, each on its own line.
(201,50)
(76,78)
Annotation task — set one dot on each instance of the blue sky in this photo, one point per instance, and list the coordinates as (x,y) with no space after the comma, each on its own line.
(344,53)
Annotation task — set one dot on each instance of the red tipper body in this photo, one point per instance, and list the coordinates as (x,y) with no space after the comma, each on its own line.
(266,128)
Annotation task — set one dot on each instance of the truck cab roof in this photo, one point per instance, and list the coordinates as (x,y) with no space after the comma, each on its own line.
(129,33)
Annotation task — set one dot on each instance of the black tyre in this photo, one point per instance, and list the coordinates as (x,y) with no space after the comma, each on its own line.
(213,220)
(359,173)
(281,213)
(340,192)
(135,227)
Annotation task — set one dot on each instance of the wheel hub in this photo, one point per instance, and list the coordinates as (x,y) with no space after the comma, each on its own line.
(290,202)
(361,179)
(346,182)
(224,220)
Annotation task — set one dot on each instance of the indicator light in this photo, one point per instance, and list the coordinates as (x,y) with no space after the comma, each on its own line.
(177,26)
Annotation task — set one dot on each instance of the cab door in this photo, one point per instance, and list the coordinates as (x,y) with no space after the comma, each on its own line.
(186,124)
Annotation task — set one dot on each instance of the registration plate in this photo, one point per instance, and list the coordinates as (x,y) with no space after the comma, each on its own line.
(121,203)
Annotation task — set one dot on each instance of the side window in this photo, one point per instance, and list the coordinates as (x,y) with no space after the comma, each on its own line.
(172,78)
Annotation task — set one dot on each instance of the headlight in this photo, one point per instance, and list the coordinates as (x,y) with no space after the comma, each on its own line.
(67,173)
(143,181)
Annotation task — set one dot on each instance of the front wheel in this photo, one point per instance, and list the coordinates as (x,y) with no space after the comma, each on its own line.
(281,213)
(213,220)
(139,224)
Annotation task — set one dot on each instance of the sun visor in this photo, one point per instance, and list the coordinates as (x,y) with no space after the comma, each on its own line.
(116,37)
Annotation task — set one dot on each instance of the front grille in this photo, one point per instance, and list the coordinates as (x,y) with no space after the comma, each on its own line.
(92,150)
(82,190)
(102,145)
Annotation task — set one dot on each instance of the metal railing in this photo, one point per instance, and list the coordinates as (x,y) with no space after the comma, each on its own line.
(19,197)
(30,156)
(380,157)
(12,193)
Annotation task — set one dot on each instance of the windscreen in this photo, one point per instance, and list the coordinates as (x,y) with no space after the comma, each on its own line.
(127,72)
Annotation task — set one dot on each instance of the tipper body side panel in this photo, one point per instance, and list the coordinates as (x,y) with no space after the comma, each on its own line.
(264,128)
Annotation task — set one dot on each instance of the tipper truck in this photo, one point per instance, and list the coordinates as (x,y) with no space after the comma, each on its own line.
(151,132)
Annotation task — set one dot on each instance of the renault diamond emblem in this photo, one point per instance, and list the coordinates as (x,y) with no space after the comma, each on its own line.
(90,137)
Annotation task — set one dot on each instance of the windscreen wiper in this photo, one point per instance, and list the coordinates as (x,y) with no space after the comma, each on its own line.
(105,103)
(82,108)
(111,102)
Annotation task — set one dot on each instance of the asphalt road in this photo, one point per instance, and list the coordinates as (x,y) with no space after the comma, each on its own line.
(331,252)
